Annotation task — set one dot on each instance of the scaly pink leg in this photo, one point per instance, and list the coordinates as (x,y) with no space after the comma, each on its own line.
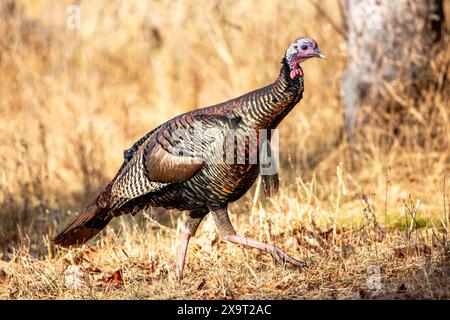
(182,255)
(227,230)
(276,252)
(190,227)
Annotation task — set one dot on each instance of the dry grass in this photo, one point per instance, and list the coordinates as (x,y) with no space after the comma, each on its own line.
(71,101)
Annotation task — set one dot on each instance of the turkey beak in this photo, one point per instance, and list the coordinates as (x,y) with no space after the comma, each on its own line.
(319,54)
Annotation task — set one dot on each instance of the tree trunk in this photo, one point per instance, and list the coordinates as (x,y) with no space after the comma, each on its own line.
(387,41)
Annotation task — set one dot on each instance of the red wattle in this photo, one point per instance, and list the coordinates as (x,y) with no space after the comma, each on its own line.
(296,73)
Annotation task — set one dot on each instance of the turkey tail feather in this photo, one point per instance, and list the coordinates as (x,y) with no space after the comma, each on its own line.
(86,225)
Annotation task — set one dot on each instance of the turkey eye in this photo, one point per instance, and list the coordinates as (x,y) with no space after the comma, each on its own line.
(304,47)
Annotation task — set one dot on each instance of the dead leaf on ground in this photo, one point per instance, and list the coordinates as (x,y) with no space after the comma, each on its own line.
(411,251)
(3,277)
(115,279)
(199,284)
(283,286)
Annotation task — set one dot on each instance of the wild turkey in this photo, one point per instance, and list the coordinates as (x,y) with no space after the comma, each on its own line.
(165,169)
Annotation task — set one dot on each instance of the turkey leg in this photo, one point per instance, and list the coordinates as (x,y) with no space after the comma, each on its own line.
(225,227)
(190,227)
(182,253)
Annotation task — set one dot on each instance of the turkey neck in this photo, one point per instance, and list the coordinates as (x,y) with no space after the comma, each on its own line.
(266,107)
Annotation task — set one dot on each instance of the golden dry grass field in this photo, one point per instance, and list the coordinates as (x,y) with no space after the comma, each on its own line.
(370,224)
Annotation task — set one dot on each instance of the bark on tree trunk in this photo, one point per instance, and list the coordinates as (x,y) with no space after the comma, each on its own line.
(387,40)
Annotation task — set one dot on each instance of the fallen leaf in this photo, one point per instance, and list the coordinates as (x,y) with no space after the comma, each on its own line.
(199,284)
(282,287)
(117,276)
(114,279)
(3,276)
(410,251)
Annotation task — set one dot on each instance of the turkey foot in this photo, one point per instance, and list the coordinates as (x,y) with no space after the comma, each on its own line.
(276,252)
(227,230)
